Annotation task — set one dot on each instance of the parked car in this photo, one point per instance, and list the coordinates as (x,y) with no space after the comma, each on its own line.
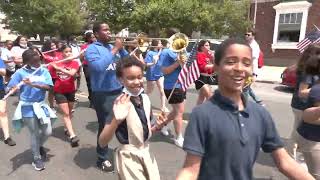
(289,77)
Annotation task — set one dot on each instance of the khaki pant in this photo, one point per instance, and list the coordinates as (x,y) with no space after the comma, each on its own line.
(136,163)
(292,144)
(311,153)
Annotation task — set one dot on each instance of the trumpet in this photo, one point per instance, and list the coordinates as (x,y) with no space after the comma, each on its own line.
(178,43)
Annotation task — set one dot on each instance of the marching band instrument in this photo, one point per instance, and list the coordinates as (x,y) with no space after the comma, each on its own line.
(178,43)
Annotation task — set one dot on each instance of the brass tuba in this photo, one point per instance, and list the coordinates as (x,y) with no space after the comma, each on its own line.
(178,43)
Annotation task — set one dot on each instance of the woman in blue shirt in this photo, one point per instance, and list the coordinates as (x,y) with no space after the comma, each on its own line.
(154,74)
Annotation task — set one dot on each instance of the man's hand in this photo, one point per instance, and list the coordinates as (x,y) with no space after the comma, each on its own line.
(118,43)
(121,107)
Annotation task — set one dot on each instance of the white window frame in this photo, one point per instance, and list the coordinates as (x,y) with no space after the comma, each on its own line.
(290,7)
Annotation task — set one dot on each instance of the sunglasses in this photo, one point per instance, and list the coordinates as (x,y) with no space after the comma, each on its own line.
(247,34)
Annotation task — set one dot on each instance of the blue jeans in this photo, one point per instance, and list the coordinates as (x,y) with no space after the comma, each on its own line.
(39,133)
(248,92)
(103,103)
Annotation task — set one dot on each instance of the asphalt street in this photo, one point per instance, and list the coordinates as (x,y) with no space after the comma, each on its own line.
(66,163)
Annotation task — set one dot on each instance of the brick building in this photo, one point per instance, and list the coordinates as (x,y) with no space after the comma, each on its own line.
(281,24)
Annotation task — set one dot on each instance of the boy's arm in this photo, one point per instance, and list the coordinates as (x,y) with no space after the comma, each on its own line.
(108,132)
(39,86)
(190,168)
(288,166)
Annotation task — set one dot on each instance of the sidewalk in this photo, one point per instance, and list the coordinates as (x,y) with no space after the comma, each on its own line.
(270,74)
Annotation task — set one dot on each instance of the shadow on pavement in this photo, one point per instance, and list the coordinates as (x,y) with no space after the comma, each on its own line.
(158,137)
(58,133)
(25,158)
(284,89)
(86,157)
(93,126)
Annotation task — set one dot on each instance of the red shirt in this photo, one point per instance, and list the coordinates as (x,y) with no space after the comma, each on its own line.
(203,59)
(85,46)
(64,83)
(50,57)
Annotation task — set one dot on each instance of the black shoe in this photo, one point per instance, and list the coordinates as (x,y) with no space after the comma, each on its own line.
(38,165)
(74,141)
(43,153)
(106,166)
(10,142)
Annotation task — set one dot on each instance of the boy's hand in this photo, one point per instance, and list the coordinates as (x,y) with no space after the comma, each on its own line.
(27,81)
(161,120)
(121,107)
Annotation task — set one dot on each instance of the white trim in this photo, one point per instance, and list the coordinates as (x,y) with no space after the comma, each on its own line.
(284,45)
(290,7)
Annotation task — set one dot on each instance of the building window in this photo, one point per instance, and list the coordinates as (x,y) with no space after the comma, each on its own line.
(290,24)
(289,27)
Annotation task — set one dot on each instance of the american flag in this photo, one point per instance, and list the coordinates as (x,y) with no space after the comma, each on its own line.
(311,38)
(190,71)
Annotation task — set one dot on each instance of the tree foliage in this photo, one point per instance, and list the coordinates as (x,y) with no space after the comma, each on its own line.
(56,17)
(64,17)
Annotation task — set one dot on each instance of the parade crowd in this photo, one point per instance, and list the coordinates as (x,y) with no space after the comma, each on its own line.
(225,132)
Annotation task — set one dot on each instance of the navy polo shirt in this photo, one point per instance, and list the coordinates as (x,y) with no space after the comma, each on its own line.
(229,140)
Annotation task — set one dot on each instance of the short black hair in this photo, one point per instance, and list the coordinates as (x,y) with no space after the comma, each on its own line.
(221,50)
(172,31)
(28,55)
(96,26)
(127,62)
(87,36)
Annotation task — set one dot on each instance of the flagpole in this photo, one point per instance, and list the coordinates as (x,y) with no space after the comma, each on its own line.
(316,27)
(172,91)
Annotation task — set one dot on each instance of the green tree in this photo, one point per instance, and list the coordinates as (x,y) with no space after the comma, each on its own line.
(115,12)
(214,18)
(54,18)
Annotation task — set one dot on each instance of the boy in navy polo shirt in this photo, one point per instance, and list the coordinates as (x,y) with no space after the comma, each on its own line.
(225,134)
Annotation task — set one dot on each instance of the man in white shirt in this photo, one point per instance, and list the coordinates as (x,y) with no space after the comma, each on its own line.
(250,38)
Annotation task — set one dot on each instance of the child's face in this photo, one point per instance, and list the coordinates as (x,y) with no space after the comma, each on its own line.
(235,67)
(67,52)
(35,61)
(53,46)
(132,79)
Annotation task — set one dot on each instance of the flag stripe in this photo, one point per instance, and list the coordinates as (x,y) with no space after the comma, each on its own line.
(311,38)
(190,71)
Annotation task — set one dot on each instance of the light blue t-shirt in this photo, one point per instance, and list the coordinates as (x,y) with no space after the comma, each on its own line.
(102,67)
(153,72)
(28,93)
(167,58)
(2,66)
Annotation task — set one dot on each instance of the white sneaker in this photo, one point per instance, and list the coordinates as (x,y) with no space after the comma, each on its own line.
(179,142)
(165,131)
